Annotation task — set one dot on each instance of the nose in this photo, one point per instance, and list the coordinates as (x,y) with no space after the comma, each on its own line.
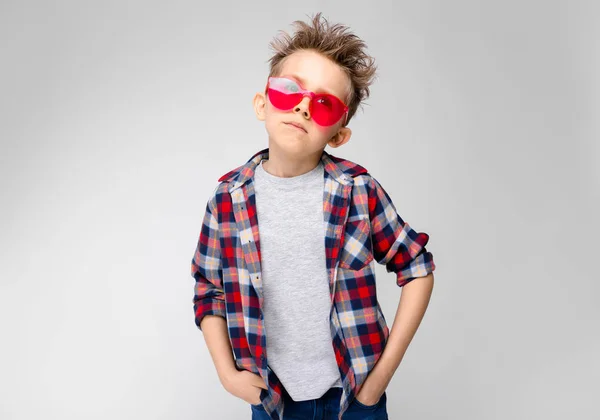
(303,107)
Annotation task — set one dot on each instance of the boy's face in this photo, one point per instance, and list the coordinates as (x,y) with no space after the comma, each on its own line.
(314,72)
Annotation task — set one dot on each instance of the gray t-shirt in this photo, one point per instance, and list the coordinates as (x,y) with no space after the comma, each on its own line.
(296,302)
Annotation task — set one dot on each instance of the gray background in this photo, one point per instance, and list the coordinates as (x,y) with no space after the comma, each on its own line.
(117,118)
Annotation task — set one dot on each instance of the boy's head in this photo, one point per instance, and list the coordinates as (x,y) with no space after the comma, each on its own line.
(320,58)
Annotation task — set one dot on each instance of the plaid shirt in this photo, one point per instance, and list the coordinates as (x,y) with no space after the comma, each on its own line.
(360,225)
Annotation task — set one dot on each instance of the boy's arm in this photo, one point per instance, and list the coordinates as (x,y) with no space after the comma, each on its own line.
(395,244)
(219,347)
(411,309)
(402,250)
(209,298)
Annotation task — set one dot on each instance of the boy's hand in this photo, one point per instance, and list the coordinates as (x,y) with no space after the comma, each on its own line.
(245,385)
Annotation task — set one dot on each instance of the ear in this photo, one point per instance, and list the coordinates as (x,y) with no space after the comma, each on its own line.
(260,105)
(341,137)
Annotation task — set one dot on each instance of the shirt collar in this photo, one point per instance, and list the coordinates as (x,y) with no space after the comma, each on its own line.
(336,168)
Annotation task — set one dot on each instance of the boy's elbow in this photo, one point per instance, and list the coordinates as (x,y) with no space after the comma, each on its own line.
(208,307)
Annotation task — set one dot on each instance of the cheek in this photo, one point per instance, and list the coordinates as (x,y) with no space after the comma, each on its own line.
(272,113)
(325,132)
(273,117)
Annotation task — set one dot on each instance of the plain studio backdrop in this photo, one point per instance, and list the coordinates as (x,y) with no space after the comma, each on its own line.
(117,118)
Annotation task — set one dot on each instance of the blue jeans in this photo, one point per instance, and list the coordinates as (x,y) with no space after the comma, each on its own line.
(325,408)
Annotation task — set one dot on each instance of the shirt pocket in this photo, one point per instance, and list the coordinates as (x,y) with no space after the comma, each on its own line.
(356,251)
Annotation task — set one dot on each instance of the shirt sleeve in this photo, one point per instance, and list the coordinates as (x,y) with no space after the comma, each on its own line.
(209,298)
(396,244)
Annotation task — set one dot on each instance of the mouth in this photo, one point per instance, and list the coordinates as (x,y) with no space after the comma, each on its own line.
(298,126)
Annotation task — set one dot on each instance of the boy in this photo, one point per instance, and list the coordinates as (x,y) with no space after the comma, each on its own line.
(283,266)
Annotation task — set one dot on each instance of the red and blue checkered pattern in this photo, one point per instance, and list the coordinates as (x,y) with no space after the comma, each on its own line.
(361,224)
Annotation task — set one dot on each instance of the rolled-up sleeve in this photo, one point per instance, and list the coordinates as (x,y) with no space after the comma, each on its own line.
(209,298)
(396,244)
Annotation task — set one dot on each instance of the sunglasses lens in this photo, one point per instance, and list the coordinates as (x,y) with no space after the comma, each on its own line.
(284,100)
(326,109)
(284,93)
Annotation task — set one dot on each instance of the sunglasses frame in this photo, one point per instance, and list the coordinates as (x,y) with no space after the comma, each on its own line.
(311,95)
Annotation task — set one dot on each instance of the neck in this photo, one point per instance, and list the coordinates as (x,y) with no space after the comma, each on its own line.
(285,166)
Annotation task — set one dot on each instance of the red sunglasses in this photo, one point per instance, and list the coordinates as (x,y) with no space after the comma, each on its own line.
(324,108)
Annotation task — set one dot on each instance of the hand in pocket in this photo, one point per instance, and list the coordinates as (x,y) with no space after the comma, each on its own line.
(246,385)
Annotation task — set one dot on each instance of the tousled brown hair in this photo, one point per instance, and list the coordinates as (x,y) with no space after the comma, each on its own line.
(336,42)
